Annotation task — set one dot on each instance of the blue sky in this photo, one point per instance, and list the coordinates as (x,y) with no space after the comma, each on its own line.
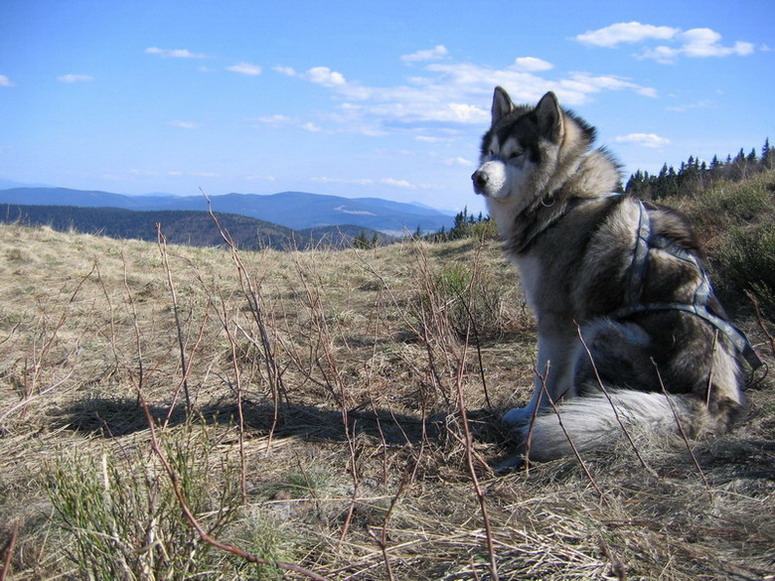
(359,99)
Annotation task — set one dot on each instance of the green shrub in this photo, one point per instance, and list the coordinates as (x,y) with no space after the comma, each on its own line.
(484,230)
(746,263)
(125,520)
(471,304)
(736,203)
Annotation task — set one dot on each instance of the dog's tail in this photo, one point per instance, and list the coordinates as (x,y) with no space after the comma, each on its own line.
(597,419)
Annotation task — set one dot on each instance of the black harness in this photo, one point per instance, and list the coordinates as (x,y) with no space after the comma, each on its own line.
(646,240)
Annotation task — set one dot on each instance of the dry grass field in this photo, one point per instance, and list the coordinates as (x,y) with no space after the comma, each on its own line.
(332,414)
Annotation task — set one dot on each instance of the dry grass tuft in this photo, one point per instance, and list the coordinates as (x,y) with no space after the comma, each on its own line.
(324,427)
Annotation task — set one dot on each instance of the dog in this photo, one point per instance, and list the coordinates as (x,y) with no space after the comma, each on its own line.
(631,337)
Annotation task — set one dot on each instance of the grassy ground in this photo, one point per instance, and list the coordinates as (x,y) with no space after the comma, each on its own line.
(310,404)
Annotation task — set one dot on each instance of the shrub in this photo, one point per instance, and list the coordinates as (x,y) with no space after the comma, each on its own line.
(746,263)
(469,301)
(125,520)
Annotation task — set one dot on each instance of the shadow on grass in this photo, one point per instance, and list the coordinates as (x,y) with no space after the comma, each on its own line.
(116,417)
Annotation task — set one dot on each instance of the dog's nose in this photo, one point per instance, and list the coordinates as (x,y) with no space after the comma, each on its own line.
(480,179)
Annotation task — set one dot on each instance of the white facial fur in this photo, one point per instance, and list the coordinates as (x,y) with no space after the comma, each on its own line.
(503,172)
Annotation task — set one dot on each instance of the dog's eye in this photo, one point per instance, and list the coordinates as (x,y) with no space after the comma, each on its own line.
(516,154)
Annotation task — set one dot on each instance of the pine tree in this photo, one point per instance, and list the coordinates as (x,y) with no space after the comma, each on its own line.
(768,155)
(361,242)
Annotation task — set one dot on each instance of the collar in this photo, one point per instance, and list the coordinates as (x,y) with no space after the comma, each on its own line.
(528,235)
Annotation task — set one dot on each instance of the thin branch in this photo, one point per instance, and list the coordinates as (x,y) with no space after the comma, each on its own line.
(760,321)
(162,242)
(570,440)
(240,413)
(41,393)
(252,293)
(533,416)
(680,426)
(469,446)
(611,402)
(7,552)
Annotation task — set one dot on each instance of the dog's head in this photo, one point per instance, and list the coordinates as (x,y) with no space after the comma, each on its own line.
(524,149)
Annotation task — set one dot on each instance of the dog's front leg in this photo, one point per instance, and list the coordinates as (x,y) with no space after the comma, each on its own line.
(557,351)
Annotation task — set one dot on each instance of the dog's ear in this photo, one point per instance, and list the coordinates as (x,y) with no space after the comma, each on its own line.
(501,104)
(549,117)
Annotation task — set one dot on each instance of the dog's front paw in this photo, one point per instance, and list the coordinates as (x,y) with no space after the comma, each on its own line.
(518,416)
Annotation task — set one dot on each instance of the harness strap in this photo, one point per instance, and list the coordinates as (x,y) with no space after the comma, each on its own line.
(640,256)
(736,336)
(644,241)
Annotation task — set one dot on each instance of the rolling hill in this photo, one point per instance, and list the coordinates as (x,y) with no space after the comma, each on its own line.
(193,228)
(296,210)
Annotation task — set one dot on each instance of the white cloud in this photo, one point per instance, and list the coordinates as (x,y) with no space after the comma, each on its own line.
(184,124)
(287,71)
(357,182)
(450,94)
(458,161)
(271,120)
(397,183)
(693,43)
(433,139)
(245,69)
(532,64)
(5,81)
(311,127)
(75,79)
(325,76)
(697,43)
(586,84)
(176,53)
(367,182)
(318,75)
(643,139)
(626,33)
(433,54)
(703,104)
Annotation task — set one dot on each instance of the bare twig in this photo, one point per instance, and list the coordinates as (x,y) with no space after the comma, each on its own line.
(611,402)
(533,416)
(7,552)
(469,446)
(570,440)
(252,293)
(41,393)
(382,539)
(49,344)
(477,341)
(760,321)
(136,325)
(333,379)
(680,426)
(240,414)
(162,243)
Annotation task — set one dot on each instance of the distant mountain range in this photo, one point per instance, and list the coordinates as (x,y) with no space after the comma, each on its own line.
(187,227)
(295,210)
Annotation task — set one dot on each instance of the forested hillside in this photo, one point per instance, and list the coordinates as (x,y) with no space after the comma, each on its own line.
(184,227)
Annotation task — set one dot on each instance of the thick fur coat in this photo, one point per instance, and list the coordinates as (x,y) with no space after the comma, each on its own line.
(602,358)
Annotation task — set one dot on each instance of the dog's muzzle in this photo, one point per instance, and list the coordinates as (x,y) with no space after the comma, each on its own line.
(480,180)
(490,179)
